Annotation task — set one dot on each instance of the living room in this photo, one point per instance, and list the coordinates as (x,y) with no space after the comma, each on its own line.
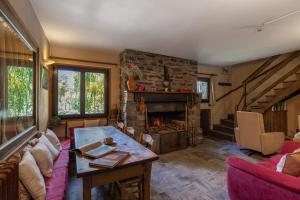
(195,99)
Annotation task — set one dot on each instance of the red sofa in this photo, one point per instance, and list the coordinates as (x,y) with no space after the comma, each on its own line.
(56,186)
(249,181)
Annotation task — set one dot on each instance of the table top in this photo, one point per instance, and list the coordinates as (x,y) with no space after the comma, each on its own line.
(138,153)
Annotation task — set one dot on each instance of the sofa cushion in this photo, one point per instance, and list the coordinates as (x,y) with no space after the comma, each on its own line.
(53,139)
(62,161)
(31,177)
(43,159)
(65,144)
(289,147)
(57,185)
(54,152)
(271,163)
(262,172)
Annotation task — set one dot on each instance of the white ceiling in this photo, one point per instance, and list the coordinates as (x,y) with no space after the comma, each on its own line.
(204,30)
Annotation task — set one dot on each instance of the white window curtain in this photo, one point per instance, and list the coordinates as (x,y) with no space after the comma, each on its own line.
(212,99)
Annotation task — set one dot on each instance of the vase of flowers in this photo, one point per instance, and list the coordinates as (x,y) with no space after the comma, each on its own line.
(131,72)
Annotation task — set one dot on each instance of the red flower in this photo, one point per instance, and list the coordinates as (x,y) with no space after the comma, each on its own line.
(129,66)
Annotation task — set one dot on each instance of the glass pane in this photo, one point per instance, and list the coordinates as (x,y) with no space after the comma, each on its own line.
(16,82)
(19,93)
(94,93)
(68,92)
(202,87)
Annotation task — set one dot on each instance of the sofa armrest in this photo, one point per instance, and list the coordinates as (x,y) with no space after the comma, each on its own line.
(289,147)
(269,175)
(271,142)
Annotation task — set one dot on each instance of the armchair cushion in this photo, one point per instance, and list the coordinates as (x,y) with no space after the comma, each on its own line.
(271,142)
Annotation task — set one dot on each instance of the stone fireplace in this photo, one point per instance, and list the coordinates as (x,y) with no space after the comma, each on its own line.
(171,113)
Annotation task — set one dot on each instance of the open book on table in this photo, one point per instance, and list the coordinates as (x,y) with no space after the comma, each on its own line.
(96,150)
(110,160)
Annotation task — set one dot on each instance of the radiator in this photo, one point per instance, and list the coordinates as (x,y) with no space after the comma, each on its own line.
(9,176)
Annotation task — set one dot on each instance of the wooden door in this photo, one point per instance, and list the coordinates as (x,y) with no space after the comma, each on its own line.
(205,120)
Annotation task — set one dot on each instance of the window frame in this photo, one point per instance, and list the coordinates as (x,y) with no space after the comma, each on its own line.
(204,79)
(14,144)
(82,70)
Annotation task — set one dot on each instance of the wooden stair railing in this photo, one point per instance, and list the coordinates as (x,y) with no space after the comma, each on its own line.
(268,73)
(254,75)
(267,89)
(275,69)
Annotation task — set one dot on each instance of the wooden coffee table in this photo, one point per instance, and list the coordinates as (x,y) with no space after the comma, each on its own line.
(138,164)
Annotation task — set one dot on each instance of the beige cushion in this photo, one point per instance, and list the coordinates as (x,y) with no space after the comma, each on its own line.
(43,159)
(31,177)
(54,152)
(23,192)
(51,136)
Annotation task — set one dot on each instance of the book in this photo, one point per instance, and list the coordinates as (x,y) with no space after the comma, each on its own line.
(96,150)
(110,160)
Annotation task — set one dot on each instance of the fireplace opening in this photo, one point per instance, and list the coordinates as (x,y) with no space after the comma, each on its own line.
(166,120)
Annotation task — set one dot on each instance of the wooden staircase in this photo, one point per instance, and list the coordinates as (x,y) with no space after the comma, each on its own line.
(224,130)
(275,84)
(276,93)
(276,79)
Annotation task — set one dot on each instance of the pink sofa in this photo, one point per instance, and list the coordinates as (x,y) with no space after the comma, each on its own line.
(249,181)
(56,186)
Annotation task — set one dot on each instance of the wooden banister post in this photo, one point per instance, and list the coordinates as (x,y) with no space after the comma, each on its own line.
(245,95)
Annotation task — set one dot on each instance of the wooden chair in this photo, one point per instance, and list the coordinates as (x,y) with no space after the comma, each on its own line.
(135,185)
(149,142)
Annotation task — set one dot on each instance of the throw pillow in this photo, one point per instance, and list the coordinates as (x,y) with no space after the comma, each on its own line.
(54,152)
(43,159)
(23,192)
(53,139)
(290,164)
(31,177)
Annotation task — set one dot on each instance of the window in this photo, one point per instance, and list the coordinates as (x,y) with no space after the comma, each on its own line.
(203,87)
(80,92)
(17,82)
(19,93)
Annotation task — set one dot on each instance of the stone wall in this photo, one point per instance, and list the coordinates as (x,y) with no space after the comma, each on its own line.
(182,73)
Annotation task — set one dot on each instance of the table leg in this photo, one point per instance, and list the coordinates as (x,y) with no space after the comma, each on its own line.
(147,181)
(87,188)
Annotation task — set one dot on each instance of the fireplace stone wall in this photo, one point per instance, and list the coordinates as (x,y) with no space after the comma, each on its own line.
(182,73)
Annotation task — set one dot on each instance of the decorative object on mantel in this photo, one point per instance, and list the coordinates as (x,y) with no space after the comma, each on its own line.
(140,88)
(166,81)
(131,72)
(185,89)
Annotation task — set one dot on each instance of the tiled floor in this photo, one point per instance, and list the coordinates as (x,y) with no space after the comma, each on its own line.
(197,173)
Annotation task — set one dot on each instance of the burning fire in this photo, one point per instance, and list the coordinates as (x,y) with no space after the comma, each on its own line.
(157,122)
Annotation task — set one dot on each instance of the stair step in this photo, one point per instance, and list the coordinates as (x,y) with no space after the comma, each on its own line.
(230,116)
(270,95)
(262,102)
(223,128)
(289,81)
(227,122)
(221,135)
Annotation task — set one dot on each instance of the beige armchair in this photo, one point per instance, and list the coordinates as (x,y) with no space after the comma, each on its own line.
(251,134)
